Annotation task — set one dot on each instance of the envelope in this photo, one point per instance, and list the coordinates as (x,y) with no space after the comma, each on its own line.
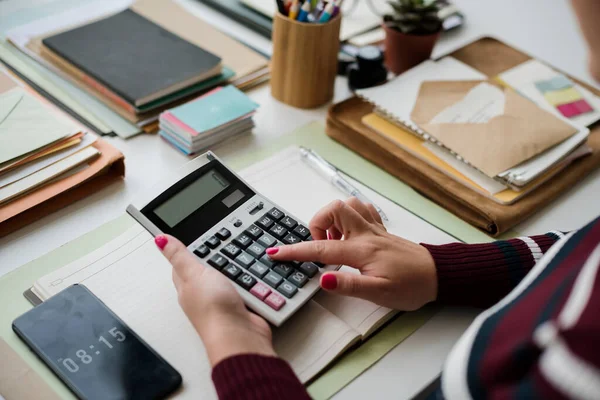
(521,131)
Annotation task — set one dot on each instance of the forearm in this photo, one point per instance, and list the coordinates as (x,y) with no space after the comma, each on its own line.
(251,376)
(479,275)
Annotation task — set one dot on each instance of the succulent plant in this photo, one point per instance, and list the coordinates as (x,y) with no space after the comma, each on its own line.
(414,17)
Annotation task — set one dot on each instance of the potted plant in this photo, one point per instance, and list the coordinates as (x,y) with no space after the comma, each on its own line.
(411,31)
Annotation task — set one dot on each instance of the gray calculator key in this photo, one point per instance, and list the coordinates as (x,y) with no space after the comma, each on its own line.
(273,279)
(267,261)
(254,232)
(265,222)
(267,240)
(291,239)
(259,269)
(276,214)
(242,241)
(256,250)
(289,223)
(213,242)
(309,269)
(218,261)
(301,231)
(202,251)
(246,281)
(287,289)
(244,259)
(232,271)
(278,231)
(231,250)
(298,279)
(283,269)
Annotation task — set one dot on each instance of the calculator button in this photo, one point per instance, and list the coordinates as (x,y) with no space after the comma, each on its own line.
(261,291)
(301,231)
(232,271)
(275,301)
(319,264)
(231,250)
(254,232)
(308,268)
(246,281)
(202,251)
(278,231)
(245,259)
(296,263)
(242,241)
(289,223)
(265,222)
(283,269)
(218,261)
(291,239)
(259,269)
(287,289)
(275,214)
(298,279)
(256,250)
(308,239)
(223,234)
(267,261)
(273,279)
(212,242)
(267,240)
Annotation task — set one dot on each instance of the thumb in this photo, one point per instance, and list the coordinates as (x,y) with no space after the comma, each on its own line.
(354,285)
(184,263)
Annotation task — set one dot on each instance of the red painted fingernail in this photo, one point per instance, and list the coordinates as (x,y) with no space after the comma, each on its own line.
(329,281)
(161,241)
(272,250)
(328,235)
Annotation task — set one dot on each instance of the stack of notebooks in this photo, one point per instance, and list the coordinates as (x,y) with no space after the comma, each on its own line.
(214,117)
(43,154)
(502,136)
(144,59)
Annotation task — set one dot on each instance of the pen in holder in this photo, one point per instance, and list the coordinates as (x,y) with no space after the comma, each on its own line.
(304,61)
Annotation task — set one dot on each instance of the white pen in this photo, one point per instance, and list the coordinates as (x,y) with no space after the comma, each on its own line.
(330,172)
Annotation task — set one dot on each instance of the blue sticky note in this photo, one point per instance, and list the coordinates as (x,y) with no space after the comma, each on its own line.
(214,110)
(559,82)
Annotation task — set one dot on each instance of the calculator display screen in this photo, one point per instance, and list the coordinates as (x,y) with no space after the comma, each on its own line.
(194,196)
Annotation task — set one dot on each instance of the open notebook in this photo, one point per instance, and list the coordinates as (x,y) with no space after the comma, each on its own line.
(131,276)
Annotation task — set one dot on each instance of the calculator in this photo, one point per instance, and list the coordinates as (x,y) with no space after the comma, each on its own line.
(228,225)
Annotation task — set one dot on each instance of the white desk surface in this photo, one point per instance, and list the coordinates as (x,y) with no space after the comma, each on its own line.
(546,30)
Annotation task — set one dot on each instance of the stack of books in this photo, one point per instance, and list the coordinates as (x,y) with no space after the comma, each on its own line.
(496,135)
(212,118)
(43,154)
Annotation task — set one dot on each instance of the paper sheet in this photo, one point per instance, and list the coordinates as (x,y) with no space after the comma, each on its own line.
(27,125)
(481,104)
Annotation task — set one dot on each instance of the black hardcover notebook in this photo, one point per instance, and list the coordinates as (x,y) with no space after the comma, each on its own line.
(134,58)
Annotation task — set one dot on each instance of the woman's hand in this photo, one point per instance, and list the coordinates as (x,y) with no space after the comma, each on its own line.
(214,307)
(395,273)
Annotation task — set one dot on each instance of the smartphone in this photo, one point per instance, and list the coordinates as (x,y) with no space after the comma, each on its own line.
(93,351)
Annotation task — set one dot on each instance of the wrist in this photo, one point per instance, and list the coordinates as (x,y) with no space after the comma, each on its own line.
(430,273)
(228,339)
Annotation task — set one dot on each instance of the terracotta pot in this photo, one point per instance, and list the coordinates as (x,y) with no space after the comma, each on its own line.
(403,51)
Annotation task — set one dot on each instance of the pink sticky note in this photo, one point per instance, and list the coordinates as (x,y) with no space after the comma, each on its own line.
(568,110)
(583,106)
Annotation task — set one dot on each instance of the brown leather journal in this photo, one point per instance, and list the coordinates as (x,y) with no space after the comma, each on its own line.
(491,57)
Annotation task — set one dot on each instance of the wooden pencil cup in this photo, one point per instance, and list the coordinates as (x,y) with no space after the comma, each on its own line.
(304,61)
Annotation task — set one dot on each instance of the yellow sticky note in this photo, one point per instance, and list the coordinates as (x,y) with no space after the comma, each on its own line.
(565,96)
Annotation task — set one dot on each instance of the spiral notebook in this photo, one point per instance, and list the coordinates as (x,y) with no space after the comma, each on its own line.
(395,102)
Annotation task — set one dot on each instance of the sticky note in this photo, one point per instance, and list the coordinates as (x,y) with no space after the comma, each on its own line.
(559,82)
(564,96)
(575,108)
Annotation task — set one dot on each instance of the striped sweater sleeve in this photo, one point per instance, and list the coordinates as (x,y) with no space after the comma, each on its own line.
(478,275)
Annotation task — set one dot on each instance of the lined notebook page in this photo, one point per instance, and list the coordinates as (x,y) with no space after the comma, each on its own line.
(289,182)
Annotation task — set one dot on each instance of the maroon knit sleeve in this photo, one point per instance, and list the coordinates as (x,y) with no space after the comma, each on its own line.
(479,275)
(254,377)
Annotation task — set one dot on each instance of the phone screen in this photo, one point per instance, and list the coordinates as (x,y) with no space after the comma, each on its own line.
(93,351)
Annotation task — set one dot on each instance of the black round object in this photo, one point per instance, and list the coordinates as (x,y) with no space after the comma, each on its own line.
(368,70)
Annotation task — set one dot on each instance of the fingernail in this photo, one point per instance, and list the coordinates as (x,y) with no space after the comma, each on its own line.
(329,281)
(328,235)
(161,241)
(272,250)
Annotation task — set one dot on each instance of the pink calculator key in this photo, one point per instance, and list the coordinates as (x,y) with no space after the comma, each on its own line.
(261,291)
(275,301)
